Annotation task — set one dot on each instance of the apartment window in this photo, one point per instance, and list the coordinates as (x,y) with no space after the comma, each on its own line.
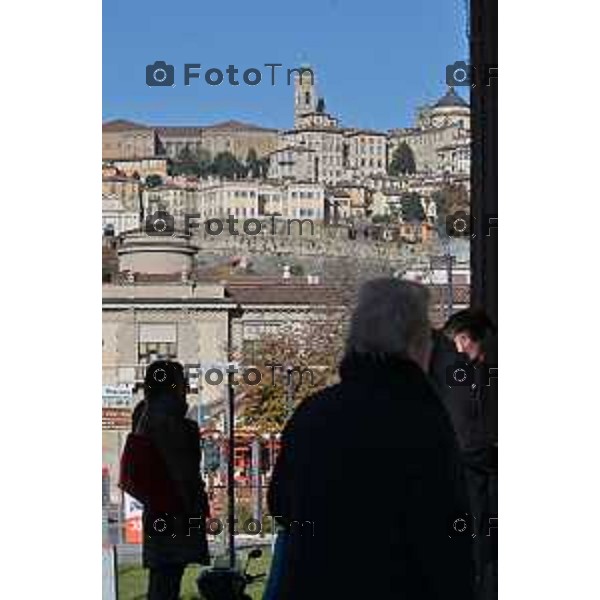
(156,340)
(251,352)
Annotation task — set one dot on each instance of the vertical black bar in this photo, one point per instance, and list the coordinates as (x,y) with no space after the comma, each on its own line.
(484,178)
(116,567)
(484,156)
(449,265)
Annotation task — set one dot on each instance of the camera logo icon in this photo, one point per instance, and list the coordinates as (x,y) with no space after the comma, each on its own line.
(161,525)
(462,525)
(460,73)
(160,74)
(160,223)
(460,374)
(459,224)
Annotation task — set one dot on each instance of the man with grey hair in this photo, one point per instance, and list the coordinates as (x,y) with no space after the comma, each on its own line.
(391,318)
(370,465)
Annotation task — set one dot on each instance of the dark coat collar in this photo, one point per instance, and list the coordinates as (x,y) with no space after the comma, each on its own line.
(380,367)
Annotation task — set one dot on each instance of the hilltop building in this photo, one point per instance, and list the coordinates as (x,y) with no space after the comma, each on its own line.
(441,138)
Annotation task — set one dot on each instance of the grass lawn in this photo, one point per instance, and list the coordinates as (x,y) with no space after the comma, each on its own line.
(133,580)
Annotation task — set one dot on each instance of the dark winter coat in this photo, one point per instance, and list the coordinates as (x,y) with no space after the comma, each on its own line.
(368,484)
(177,441)
(472,408)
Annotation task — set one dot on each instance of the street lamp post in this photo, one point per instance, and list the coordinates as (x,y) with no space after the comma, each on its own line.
(289,391)
(447,260)
(232,313)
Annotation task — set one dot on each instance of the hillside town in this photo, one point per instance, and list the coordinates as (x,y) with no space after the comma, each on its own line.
(304,215)
(404,176)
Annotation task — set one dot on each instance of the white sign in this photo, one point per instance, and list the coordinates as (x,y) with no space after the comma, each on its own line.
(119,395)
(132,508)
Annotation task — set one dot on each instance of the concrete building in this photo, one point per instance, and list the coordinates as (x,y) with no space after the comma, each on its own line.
(229,136)
(440,138)
(116,217)
(366,153)
(123,139)
(126,140)
(386,203)
(140,167)
(293,162)
(305,95)
(326,145)
(243,199)
(319,149)
(455,158)
(154,307)
(127,189)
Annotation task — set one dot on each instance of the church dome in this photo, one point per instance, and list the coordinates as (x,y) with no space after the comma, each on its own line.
(451,99)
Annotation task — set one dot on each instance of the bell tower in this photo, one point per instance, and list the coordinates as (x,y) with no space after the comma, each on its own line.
(305,97)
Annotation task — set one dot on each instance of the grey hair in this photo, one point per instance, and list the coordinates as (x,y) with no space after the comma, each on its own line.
(391,317)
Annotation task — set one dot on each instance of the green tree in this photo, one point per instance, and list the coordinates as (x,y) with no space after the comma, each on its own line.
(253,164)
(226,165)
(264,164)
(403,161)
(381,219)
(185,155)
(153,180)
(412,209)
(204,162)
(313,353)
(197,164)
(449,199)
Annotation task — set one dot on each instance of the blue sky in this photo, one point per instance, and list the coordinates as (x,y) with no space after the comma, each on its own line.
(374,60)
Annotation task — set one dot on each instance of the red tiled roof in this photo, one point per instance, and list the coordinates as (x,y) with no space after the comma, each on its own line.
(122,125)
(283,293)
(237,126)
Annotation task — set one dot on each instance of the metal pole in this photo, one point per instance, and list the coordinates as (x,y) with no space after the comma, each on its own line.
(230,469)
(271,451)
(256,483)
(116,567)
(289,391)
(199,422)
(449,261)
(232,313)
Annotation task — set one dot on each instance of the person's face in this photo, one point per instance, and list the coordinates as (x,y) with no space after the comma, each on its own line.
(466,345)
